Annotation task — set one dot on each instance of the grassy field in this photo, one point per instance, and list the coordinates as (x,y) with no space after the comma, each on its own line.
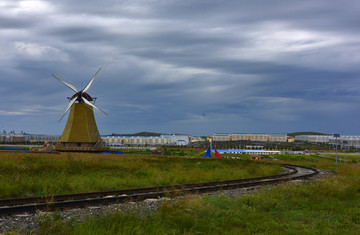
(326,161)
(326,206)
(323,206)
(29,174)
(350,158)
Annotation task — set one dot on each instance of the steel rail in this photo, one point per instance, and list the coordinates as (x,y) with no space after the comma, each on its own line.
(53,198)
(66,201)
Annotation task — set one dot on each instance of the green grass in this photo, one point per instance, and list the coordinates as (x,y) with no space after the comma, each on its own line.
(28,174)
(300,157)
(166,152)
(327,206)
(288,157)
(350,158)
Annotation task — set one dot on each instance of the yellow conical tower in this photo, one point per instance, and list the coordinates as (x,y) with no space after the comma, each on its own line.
(81,132)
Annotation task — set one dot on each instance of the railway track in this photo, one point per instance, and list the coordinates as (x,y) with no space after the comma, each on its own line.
(67,201)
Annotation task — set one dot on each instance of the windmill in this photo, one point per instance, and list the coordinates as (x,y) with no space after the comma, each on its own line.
(80,132)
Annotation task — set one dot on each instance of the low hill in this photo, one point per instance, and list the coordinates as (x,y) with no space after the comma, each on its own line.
(305,133)
(144,133)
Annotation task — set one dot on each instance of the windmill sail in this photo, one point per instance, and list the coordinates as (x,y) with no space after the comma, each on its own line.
(97,74)
(80,95)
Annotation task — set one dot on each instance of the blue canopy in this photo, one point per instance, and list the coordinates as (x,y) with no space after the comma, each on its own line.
(208,153)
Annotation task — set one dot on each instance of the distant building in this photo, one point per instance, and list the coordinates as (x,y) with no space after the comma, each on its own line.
(346,141)
(249,151)
(10,138)
(178,139)
(313,138)
(250,137)
(41,138)
(136,140)
(254,147)
(175,139)
(290,139)
(16,138)
(221,137)
(195,139)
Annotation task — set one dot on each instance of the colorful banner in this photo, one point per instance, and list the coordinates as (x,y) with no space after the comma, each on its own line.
(208,152)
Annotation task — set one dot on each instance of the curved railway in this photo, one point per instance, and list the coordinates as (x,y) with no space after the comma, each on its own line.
(68,201)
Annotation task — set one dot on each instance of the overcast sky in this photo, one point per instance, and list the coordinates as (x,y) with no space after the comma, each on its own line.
(183,66)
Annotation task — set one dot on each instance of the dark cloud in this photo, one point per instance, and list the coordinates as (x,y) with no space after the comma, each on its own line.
(183,66)
(14,23)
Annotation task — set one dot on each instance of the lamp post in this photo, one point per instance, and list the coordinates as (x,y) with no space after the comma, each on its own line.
(345,142)
(336,139)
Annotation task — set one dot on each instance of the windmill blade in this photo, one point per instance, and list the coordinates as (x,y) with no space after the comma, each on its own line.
(92,105)
(68,107)
(97,74)
(68,84)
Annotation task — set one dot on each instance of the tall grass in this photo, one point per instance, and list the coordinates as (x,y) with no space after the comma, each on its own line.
(327,206)
(26,174)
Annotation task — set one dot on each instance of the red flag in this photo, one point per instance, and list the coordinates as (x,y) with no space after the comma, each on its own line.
(217,154)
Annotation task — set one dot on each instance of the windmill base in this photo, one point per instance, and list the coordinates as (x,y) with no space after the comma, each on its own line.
(80,147)
(81,133)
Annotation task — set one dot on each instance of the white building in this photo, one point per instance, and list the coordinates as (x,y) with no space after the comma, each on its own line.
(41,138)
(137,140)
(178,139)
(313,138)
(346,141)
(250,137)
(12,137)
(249,151)
(147,140)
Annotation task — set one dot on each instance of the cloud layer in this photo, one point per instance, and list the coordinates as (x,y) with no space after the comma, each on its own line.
(194,67)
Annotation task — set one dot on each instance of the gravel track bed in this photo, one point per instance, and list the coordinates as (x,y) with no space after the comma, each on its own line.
(29,222)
